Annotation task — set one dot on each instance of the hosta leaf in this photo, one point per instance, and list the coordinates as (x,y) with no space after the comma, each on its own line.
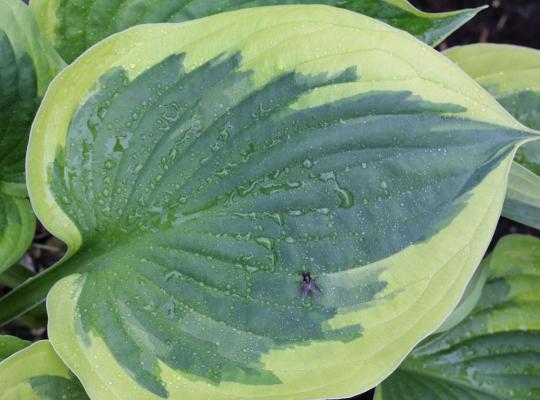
(195,178)
(10,345)
(17,224)
(494,353)
(18,23)
(37,373)
(74,26)
(15,276)
(522,201)
(512,75)
(470,297)
(27,64)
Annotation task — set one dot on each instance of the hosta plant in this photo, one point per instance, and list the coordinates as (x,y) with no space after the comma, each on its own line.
(269,203)
(27,64)
(37,373)
(206,179)
(493,352)
(74,26)
(512,75)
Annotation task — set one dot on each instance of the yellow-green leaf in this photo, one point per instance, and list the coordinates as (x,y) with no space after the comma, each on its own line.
(196,170)
(27,64)
(494,353)
(10,345)
(37,373)
(74,26)
(512,75)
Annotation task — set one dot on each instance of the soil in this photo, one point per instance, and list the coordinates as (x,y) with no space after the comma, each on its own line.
(506,21)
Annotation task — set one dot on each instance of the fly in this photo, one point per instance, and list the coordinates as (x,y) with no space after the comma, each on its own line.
(308,285)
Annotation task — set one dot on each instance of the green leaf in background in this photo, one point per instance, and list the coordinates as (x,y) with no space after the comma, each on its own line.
(10,345)
(494,353)
(522,201)
(512,75)
(17,224)
(74,26)
(27,64)
(11,278)
(470,297)
(37,373)
(30,49)
(195,179)
(431,28)
(15,276)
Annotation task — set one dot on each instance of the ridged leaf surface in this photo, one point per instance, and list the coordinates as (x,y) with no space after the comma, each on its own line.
(37,373)
(494,353)
(512,75)
(27,64)
(74,26)
(17,224)
(195,179)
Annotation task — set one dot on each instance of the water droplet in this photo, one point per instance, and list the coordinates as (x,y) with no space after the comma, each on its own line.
(346,199)
(266,242)
(245,190)
(109,164)
(222,173)
(327,176)
(172,274)
(92,127)
(274,187)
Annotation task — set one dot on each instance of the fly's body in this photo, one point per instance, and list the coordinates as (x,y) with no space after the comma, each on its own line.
(309,285)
